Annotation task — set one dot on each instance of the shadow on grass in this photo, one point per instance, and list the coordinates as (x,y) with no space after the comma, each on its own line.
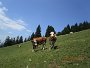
(56,47)
(36,50)
(39,49)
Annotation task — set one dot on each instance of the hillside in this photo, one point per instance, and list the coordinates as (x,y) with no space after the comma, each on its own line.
(73,51)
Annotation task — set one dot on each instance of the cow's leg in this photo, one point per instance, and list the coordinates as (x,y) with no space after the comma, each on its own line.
(35,45)
(33,48)
(43,45)
(52,44)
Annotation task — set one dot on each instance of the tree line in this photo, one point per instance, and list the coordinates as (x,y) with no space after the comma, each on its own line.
(12,41)
(19,39)
(75,28)
(38,32)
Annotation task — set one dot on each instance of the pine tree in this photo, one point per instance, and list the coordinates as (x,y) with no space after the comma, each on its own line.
(17,40)
(14,42)
(85,25)
(65,31)
(11,42)
(32,36)
(89,25)
(69,29)
(21,40)
(38,31)
(7,42)
(1,45)
(73,28)
(48,30)
(76,28)
(29,38)
(80,26)
(25,40)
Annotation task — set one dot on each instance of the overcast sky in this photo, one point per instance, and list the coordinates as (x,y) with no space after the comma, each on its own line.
(21,17)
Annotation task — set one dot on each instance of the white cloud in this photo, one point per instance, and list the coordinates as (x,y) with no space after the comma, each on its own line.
(28,30)
(21,22)
(8,23)
(10,32)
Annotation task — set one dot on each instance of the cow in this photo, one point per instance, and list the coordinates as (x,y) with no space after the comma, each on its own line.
(39,41)
(52,39)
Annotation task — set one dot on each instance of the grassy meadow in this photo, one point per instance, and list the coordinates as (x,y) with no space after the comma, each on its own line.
(73,51)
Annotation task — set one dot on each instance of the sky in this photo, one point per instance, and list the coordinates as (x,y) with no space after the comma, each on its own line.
(21,17)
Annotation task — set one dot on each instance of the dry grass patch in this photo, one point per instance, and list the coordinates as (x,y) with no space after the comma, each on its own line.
(53,64)
(69,59)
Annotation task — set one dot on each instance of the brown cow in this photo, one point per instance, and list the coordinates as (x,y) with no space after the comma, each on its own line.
(38,41)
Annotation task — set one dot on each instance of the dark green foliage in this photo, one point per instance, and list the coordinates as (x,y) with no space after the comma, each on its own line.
(85,25)
(80,27)
(48,30)
(75,28)
(7,42)
(59,33)
(68,27)
(38,31)
(21,40)
(32,35)
(11,41)
(1,45)
(17,40)
(66,30)
(25,40)
(29,38)
(14,41)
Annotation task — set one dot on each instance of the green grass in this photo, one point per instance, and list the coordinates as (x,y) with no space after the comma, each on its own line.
(73,52)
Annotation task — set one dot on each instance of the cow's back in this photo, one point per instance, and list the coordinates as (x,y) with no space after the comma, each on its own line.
(40,40)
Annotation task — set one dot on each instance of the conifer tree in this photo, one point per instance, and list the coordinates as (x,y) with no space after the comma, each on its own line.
(21,40)
(32,35)
(48,30)
(38,31)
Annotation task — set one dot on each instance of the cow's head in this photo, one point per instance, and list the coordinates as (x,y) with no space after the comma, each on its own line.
(51,33)
(35,42)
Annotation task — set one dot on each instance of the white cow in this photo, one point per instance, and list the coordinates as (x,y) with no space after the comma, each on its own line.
(52,39)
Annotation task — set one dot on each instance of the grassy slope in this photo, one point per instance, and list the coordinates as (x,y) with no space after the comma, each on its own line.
(73,52)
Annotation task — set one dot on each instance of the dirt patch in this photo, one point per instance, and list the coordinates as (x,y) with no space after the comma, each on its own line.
(68,59)
(53,64)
